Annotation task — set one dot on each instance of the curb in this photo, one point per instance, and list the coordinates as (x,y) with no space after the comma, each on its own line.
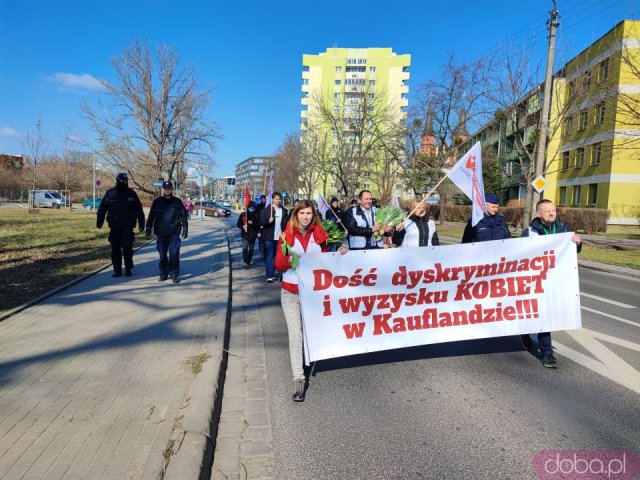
(193,456)
(61,288)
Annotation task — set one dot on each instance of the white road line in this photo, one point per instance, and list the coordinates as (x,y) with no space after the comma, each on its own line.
(612,302)
(606,363)
(608,315)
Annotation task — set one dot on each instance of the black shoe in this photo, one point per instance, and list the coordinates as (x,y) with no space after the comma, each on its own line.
(549,361)
(298,394)
(127,272)
(162,278)
(116,274)
(175,279)
(246,265)
(527,344)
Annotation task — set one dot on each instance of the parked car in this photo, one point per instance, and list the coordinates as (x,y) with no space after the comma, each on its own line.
(88,203)
(212,209)
(226,203)
(50,199)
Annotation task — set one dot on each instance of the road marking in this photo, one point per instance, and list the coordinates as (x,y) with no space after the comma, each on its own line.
(608,315)
(612,302)
(606,363)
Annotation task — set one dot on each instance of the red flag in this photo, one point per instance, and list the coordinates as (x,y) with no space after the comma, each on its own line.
(247,197)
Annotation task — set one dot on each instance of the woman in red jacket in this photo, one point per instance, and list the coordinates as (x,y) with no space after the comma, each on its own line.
(303,234)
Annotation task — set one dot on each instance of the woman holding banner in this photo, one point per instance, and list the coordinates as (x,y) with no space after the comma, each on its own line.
(417,230)
(303,234)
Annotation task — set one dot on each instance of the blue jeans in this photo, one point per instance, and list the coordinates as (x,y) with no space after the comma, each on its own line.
(169,266)
(271,246)
(544,342)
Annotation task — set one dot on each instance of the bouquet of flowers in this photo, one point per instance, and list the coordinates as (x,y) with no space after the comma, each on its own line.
(387,216)
(336,233)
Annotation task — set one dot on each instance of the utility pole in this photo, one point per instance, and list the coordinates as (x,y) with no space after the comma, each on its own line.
(546,102)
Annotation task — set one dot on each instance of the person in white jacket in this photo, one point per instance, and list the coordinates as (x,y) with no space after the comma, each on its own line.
(417,230)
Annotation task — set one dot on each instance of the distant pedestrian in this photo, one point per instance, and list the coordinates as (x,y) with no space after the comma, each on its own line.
(335,212)
(188,206)
(273,220)
(249,225)
(546,223)
(303,234)
(259,208)
(354,203)
(123,209)
(168,219)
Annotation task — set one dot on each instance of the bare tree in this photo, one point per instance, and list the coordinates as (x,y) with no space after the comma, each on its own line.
(152,121)
(35,145)
(458,97)
(288,164)
(350,139)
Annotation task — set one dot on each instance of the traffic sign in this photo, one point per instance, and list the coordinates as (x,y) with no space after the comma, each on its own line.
(539,183)
(97,183)
(157,184)
(242,196)
(284,194)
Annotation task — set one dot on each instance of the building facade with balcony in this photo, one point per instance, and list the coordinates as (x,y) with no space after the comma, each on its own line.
(593,160)
(254,173)
(345,80)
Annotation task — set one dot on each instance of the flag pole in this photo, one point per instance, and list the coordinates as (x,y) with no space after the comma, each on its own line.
(337,218)
(427,196)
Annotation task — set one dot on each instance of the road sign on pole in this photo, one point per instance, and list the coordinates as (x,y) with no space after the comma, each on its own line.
(157,184)
(97,183)
(539,183)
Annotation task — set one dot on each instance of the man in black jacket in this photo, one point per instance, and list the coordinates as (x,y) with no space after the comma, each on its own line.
(249,225)
(546,223)
(259,208)
(493,226)
(273,220)
(168,219)
(122,208)
(361,224)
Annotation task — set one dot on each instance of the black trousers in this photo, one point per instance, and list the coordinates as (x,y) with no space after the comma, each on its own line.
(121,240)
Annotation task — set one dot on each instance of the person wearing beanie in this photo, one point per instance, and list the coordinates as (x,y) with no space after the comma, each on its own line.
(122,209)
(493,226)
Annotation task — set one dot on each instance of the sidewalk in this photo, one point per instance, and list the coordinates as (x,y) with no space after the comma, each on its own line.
(102,380)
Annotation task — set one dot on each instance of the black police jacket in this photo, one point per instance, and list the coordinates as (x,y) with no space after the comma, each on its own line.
(122,209)
(167,216)
(489,228)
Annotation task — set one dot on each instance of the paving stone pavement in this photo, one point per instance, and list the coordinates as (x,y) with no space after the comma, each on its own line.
(95,379)
(244,443)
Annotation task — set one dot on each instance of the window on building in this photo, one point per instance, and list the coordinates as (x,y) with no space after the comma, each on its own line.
(372,83)
(572,88)
(305,81)
(305,68)
(333,185)
(569,129)
(508,168)
(576,194)
(601,113)
(338,69)
(596,154)
(584,117)
(565,160)
(371,96)
(593,194)
(580,157)
(562,196)
(338,82)
(603,70)
(372,69)
(586,82)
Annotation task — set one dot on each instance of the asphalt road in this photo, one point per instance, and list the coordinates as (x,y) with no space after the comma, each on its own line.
(474,409)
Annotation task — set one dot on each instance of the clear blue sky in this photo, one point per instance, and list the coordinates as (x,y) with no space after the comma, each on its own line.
(251,52)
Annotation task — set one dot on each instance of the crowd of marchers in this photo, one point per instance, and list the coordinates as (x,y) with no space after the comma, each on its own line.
(285,236)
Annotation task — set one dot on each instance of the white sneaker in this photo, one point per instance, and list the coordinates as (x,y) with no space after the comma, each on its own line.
(270,280)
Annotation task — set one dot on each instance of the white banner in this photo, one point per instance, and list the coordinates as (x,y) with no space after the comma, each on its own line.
(371,300)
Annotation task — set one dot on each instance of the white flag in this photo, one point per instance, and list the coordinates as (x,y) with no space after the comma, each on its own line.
(323,206)
(467,175)
(270,192)
(395,201)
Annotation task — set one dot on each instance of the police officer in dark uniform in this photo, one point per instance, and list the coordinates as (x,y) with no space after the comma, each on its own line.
(492,227)
(168,218)
(122,208)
